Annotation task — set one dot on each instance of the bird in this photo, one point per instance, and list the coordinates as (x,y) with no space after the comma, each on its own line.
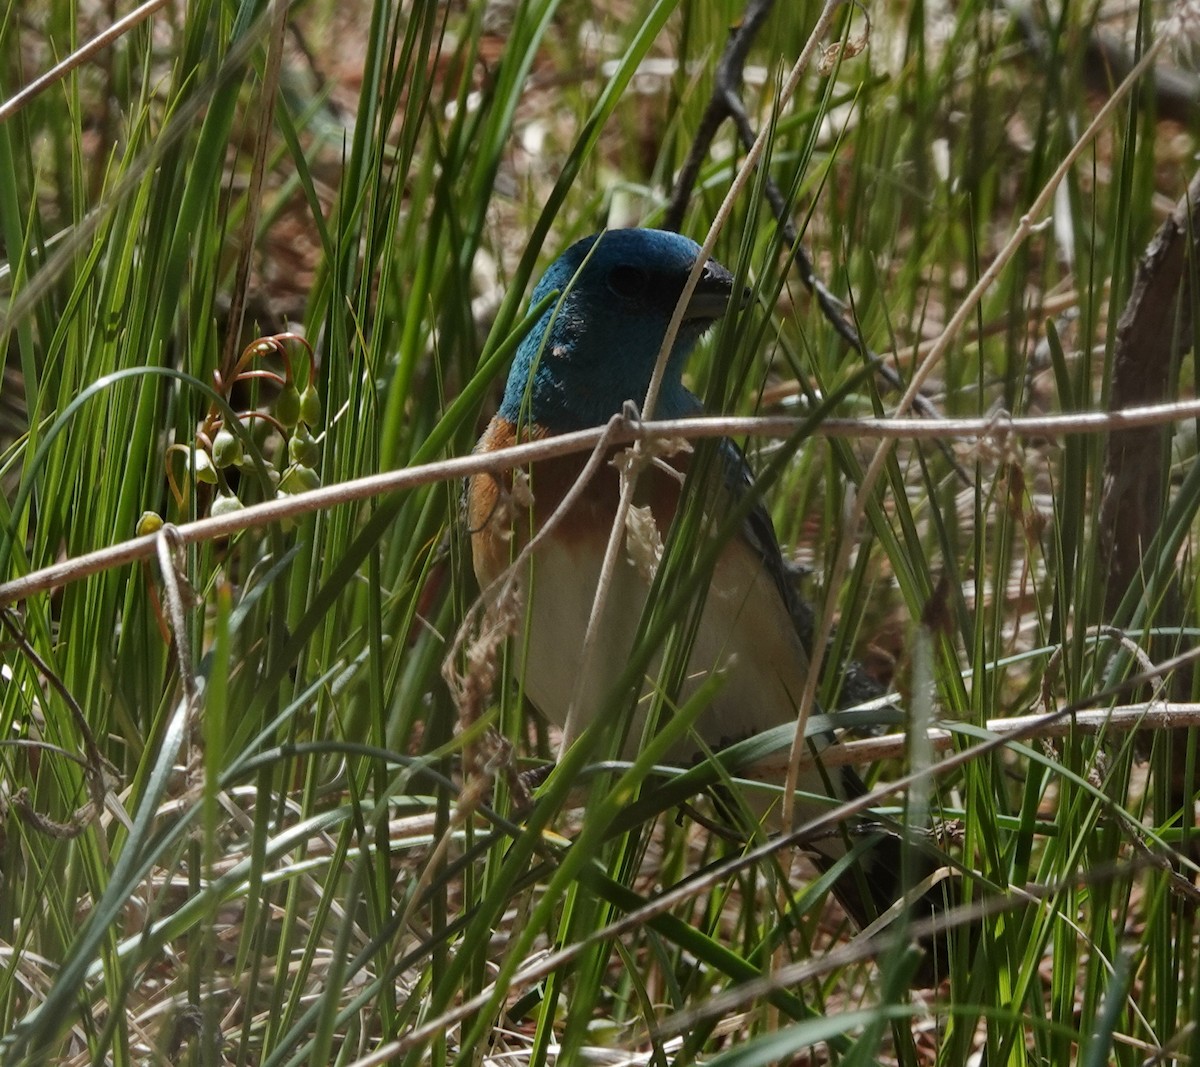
(590,354)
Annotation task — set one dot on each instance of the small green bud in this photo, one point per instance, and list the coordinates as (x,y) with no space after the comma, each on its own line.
(150,522)
(300,479)
(225,504)
(227,449)
(310,406)
(302,448)
(251,469)
(202,467)
(287,405)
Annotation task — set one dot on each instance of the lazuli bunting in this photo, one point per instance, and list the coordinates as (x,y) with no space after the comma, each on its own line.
(591,352)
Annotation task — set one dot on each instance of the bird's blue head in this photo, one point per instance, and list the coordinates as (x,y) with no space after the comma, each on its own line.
(596,347)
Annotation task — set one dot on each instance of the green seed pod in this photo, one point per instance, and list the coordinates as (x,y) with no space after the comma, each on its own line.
(150,522)
(202,467)
(287,405)
(251,469)
(227,449)
(300,479)
(302,448)
(310,406)
(225,504)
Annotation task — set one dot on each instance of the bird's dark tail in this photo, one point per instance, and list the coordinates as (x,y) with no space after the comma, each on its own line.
(886,869)
(874,867)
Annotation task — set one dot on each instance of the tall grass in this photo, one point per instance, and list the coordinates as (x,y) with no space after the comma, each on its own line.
(246,820)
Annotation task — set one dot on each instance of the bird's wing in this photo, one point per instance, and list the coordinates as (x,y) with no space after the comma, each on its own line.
(759,532)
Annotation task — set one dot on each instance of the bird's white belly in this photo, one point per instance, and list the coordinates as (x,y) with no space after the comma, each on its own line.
(745,632)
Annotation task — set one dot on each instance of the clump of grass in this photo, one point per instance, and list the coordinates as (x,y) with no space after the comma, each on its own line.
(245,819)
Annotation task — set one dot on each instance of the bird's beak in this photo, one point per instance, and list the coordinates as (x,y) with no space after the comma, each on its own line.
(714,294)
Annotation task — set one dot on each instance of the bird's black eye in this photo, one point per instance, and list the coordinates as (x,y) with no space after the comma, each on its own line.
(628,281)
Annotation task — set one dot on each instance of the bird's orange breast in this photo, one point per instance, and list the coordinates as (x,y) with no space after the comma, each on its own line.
(505,509)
